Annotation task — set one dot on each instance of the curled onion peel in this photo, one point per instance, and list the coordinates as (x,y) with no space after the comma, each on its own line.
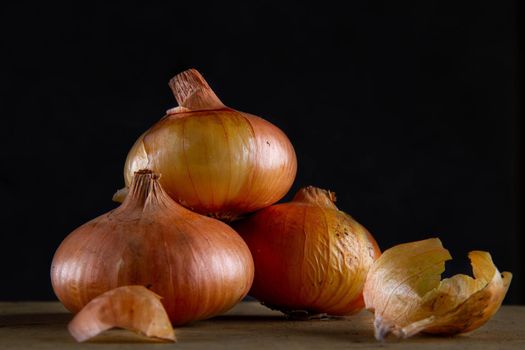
(406,293)
(214,160)
(310,257)
(131,307)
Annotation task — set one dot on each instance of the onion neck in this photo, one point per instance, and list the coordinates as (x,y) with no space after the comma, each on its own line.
(193,93)
(316,196)
(146,191)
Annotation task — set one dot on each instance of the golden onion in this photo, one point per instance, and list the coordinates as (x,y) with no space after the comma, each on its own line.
(213,159)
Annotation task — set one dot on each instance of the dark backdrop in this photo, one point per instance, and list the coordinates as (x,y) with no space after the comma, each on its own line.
(408,112)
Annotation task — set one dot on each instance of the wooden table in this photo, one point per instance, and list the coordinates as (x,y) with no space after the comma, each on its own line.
(42,325)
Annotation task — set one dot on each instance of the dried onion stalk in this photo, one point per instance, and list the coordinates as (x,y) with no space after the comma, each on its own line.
(406,293)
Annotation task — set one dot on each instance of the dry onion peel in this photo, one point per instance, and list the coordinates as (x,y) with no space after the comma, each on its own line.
(406,293)
(131,307)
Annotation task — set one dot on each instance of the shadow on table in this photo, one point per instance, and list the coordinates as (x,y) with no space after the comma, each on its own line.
(249,318)
(119,336)
(15,320)
(337,336)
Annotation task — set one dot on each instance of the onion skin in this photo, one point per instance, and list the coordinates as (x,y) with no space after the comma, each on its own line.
(405,291)
(213,159)
(199,265)
(131,307)
(308,255)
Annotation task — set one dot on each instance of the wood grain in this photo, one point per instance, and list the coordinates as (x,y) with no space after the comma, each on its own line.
(42,325)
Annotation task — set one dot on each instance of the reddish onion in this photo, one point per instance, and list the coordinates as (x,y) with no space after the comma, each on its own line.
(213,159)
(199,265)
(309,255)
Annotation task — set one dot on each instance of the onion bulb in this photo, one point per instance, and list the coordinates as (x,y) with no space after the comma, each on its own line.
(213,159)
(406,293)
(198,265)
(131,307)
(309,256)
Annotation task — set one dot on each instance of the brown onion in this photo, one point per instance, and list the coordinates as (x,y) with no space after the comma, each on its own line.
(213,159)
(309,255)
(199,265)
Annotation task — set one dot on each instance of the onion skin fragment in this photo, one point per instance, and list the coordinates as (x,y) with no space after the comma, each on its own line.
(406,293)
(131,307)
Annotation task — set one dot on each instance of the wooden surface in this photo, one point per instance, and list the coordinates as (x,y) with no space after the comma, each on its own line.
(42,325)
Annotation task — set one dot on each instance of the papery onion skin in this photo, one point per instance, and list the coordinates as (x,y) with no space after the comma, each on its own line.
(131,307)
(199,265)
(309,255)
(471,312)
(214,160)
(405,291)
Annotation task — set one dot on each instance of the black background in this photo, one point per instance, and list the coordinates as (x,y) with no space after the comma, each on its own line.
(409,112)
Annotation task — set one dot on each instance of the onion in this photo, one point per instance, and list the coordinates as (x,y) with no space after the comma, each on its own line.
(199,265)
(131,307)
(406,293)
(213,159)
(309,255)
